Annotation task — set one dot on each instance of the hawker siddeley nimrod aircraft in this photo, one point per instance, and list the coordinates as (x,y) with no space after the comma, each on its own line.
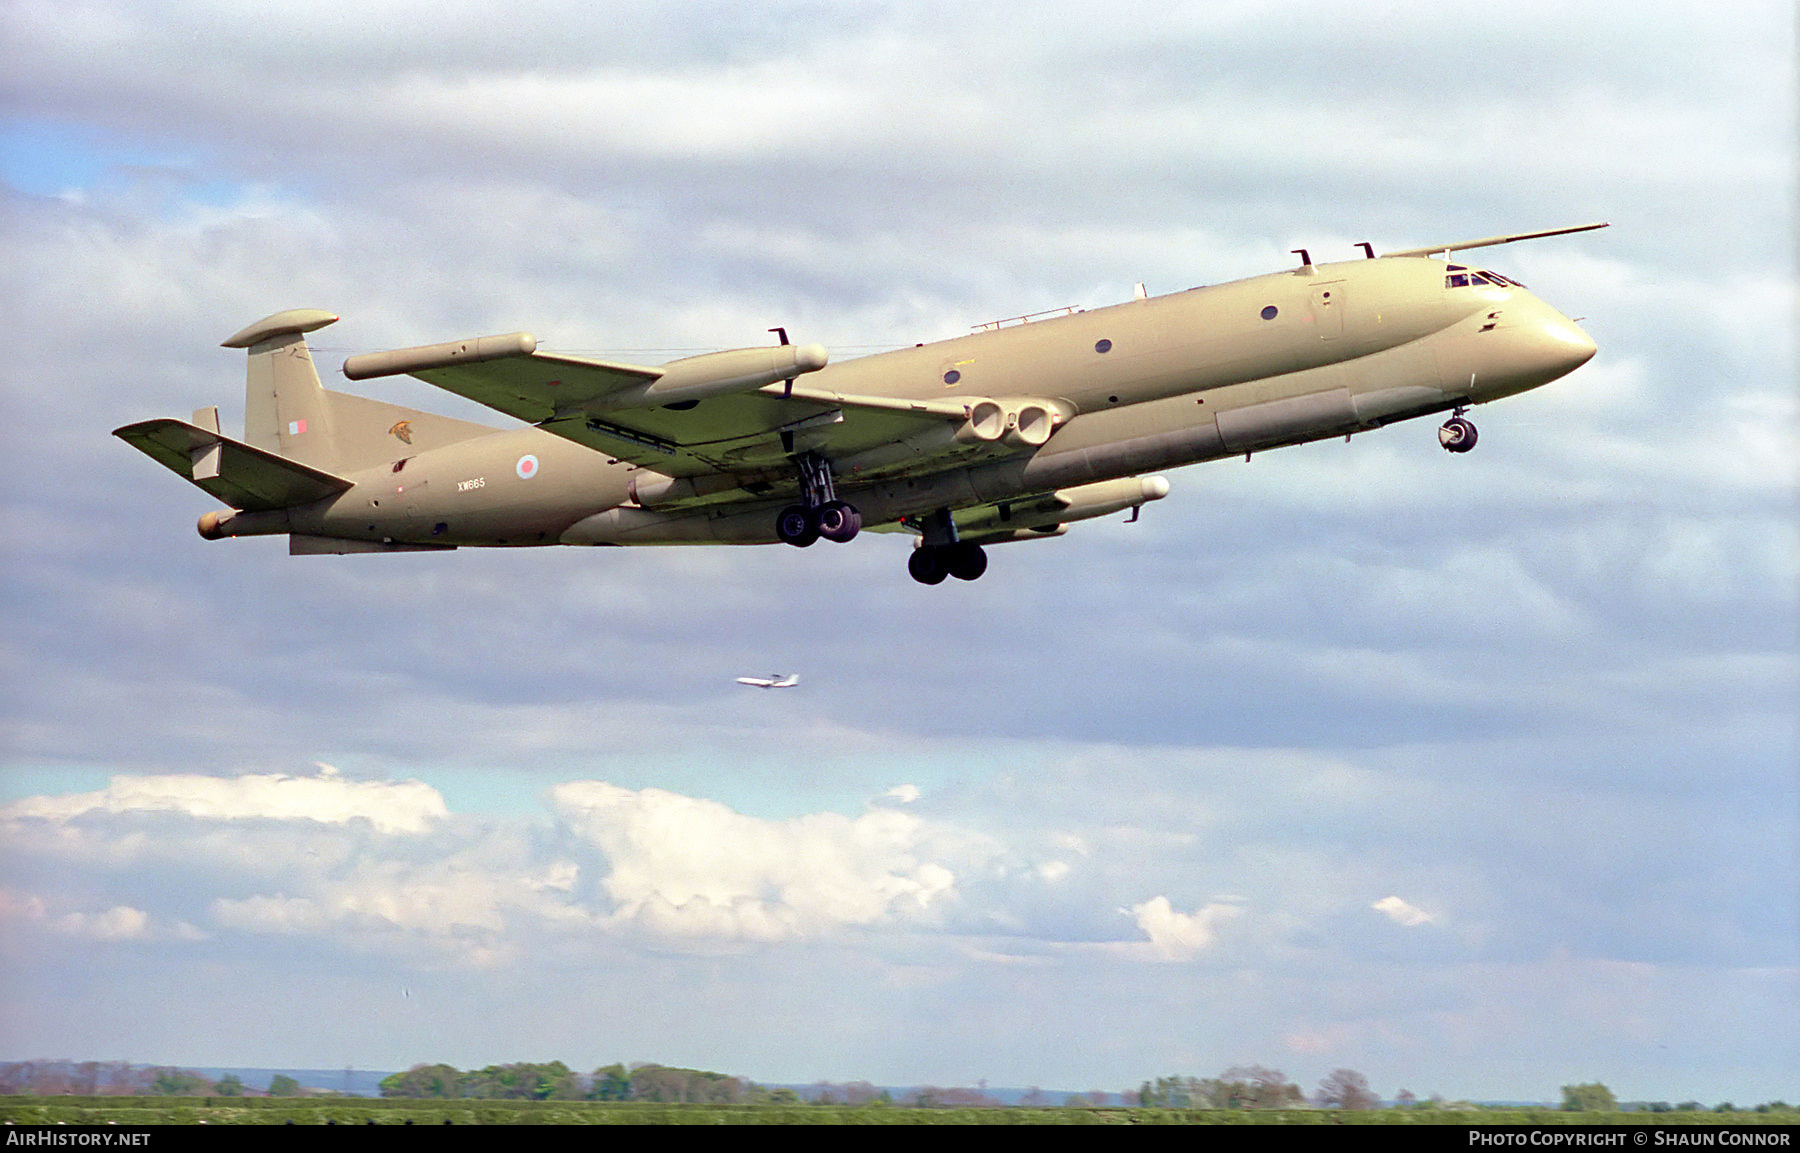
(1008,434)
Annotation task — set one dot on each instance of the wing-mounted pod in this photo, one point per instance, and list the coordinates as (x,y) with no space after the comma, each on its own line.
(474,350)
(721,373)
(1081,502)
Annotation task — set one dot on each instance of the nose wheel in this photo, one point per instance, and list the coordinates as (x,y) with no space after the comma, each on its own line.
(1457,434)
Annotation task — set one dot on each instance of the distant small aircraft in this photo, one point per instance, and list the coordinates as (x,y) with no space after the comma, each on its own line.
(1008,434)
(772,681)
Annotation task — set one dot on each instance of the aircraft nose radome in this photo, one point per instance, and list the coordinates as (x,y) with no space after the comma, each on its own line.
(1567,344)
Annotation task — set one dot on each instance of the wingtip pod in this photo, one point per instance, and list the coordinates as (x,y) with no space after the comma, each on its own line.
(294,321)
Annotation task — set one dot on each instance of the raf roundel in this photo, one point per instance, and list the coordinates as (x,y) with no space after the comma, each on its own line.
(527,467)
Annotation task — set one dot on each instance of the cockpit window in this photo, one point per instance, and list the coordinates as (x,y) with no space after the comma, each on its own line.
(1461,277)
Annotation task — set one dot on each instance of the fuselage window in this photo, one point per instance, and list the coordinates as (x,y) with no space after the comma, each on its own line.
(1103,346)
(1268,313)
(952,376)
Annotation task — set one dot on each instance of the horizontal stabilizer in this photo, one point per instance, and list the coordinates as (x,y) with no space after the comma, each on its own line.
(243,477)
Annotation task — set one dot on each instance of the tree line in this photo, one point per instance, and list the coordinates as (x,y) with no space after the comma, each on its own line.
(555,1081)
(1257,1087)
(1239,1087)
(123,1079)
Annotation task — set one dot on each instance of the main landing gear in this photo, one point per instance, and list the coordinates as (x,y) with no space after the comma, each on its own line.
(1458,433)
(929,564)
(822,514)
(939,554)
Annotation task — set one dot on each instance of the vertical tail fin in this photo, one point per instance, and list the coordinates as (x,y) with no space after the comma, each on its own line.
(289,413)
(285,408)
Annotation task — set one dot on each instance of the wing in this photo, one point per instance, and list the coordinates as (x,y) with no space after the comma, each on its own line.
(539,386)
(719,413)
(752,432)
(736,432)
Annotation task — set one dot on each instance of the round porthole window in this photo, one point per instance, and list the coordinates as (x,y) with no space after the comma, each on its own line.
(1268,313)
(1103,346)
(952,376)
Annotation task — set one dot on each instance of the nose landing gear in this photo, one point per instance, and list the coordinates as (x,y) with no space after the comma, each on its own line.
(1458,433)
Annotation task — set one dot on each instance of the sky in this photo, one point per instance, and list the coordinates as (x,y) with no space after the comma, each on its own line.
(1476,774)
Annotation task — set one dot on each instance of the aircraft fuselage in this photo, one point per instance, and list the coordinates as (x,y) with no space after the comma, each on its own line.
(1088,403)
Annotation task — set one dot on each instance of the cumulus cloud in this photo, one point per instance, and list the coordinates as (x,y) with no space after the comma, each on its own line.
(119,923)
(1178,936)
(20,906)
(394,807)
(690,867)
(1401,912)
